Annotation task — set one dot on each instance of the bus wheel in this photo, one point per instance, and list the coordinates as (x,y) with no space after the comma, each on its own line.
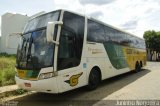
(94,79)
(141,64)
(137,67)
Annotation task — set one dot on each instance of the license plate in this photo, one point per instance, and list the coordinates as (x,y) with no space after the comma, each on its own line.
(27,84)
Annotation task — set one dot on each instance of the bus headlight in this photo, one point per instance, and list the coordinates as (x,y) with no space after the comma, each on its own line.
(45,75)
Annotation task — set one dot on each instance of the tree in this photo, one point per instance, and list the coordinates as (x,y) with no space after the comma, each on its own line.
(158,48)
(152,39)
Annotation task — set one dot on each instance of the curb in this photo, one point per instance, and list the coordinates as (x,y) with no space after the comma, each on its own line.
(10,92)
(5,91)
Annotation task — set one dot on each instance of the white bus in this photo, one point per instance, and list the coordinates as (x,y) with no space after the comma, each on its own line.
(62,50)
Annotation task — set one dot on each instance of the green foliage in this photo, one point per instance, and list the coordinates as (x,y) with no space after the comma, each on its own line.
(20,91)
(158,33)
(7,55)
(13,93)
(152,39)
(7,69)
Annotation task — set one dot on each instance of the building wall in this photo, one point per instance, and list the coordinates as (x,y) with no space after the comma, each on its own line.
(0,44)
(11,23)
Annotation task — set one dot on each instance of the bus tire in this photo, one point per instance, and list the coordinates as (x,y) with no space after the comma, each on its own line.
(94,79)
(137,67)
(141,64)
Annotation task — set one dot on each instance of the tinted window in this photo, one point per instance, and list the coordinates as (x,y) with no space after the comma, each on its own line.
(71,41)
(101,34)
(95,32)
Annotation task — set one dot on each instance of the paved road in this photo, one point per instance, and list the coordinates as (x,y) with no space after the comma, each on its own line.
(130,86)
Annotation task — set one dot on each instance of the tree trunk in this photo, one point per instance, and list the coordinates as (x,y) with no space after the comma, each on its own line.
(151,52)
(158,56)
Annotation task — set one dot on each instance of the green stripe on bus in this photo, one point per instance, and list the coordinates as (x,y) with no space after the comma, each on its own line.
(116,55)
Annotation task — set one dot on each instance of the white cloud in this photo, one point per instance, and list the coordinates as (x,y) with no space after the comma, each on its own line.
(132,24)
(29,7)
(96,2)
(97,14)
(136,15)
(72,5)
(0,25)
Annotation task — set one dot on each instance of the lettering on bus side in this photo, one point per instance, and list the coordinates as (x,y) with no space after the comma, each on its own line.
(73,80)
(95,51)
(129,51)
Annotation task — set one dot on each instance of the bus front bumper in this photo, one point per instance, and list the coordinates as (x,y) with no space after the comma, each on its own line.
(45,85)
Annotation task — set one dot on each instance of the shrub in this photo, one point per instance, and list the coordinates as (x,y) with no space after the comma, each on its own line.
(7,69)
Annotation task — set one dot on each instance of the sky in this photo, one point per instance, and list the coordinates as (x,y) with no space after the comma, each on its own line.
(134,16)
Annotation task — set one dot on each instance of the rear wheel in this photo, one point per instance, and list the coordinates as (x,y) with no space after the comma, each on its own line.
(137,67)
(94,79)
(141,64)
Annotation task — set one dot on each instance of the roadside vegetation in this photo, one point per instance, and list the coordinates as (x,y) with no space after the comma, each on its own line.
(152,39)
(13,93)
(7,69)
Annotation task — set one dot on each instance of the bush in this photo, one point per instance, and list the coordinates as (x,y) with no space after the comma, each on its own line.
(20,91)
(7,69)
(7,55)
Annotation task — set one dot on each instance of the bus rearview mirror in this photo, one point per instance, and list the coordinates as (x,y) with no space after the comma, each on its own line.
(50,31)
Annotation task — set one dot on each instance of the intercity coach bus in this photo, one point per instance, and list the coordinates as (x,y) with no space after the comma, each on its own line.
(62,50)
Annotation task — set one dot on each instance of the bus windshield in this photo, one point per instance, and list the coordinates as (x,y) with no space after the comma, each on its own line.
(34,52)
(41,21)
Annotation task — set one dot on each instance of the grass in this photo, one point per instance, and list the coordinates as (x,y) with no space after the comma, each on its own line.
(7,69)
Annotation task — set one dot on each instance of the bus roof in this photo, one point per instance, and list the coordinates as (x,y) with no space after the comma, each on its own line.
(93,19)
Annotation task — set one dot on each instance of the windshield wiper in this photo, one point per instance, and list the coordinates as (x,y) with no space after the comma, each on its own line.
(29,56)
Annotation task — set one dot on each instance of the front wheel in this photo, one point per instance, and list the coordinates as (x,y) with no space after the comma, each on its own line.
(94,79)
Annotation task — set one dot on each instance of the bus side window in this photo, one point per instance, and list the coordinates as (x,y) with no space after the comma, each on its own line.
(67,48)
(71,41)
(95,32)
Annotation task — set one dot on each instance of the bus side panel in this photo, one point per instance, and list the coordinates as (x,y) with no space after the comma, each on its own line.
(116,55)
(72,78)
(133,55)
(116,60)
(123,56)
(97,56)
(112,59)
